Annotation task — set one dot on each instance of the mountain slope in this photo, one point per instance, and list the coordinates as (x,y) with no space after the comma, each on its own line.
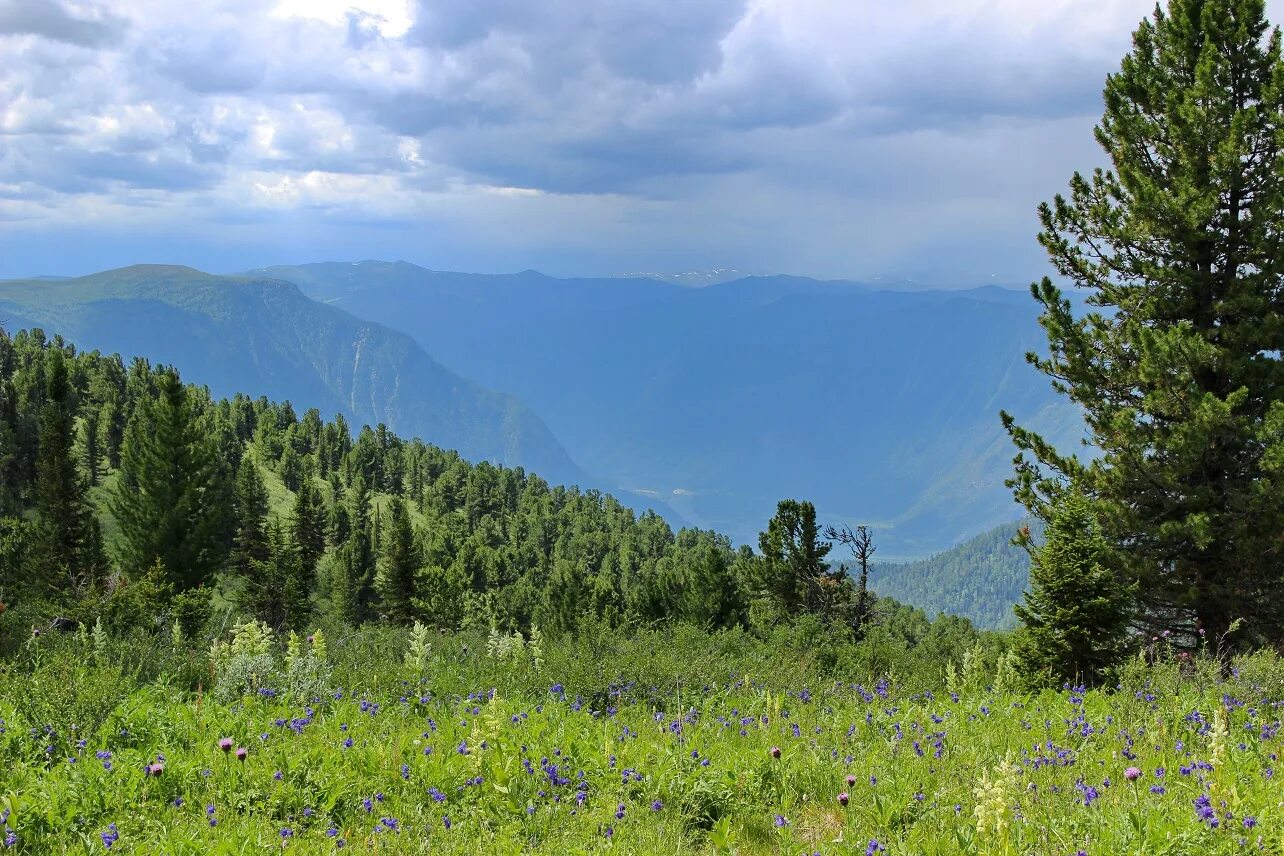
(982,579)
(879,406)
(264,336)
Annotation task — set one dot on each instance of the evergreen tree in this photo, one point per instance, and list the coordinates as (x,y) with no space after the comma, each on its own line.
(67,555)
(174,493)
(1176,366)
(352,585)
(90,442)
(794,558)
(1076,613)
(400,563)
(250,509)
(274,590)
(308,523)
(711,596)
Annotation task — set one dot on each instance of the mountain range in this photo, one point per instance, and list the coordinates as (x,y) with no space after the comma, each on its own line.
(880,405)
(711,404)
(262,336)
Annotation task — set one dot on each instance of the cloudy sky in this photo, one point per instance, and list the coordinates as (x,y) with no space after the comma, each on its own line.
(838,138)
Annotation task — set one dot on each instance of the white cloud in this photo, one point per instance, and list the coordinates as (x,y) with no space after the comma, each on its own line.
(825,136)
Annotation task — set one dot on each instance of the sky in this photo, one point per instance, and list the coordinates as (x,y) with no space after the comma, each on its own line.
(832,138)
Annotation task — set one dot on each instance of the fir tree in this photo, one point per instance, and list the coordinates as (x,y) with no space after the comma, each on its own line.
(274,590)
(398,566)
(173,495)
(250,509)
(1180,247)
(67,553)
(91,446)
(352,585)
(308,524)
(1076,613)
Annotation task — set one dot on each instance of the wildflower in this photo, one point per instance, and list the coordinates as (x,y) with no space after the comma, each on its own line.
(155,769)
(851,780)
(241,752)
(109,837)
(781,821)
(225,743)
(657,805)
(1132,774)
(775,751)
(844,798)
(445,821)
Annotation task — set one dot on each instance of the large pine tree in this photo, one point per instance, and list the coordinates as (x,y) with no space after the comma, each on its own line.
(250,509)
(794,566)
(352,583)
(399,565)
(308,524)
(174,494)
(1177,364)
(67,554)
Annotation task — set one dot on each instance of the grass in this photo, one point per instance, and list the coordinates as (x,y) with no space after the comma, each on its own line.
(532,752)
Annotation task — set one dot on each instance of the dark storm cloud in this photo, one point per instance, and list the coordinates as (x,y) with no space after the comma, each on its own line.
(828,135)
(646,40)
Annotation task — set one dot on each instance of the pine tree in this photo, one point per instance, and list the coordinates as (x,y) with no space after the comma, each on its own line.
(308,523)
(794,558)
(352,584)
(67,555)
(173,496)
(1180,247)
(399,565)
(90,442)
(711,596)
(250,509)
(1076,613)
(274,591)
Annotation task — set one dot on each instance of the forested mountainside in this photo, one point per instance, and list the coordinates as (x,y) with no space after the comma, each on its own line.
(121,487)
(981,579)
(258,334)
(881,406)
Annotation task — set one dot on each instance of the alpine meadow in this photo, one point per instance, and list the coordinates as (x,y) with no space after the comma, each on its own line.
(657,553)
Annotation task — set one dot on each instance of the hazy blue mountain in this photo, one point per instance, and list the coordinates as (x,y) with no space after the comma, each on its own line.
(982,578)
(262,336)
(881,406)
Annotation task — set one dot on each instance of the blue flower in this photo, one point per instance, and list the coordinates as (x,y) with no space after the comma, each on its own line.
(109,837)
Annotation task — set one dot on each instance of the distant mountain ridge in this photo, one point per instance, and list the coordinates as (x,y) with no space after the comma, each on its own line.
(263,336)
(880,405)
